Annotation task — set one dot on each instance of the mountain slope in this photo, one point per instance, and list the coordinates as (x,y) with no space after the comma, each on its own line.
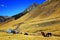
(43,11)
(47,10)
(45,17)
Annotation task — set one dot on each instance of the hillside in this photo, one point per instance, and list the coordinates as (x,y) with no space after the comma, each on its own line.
(46,10)
(17,16)
(27,10)
(43,18)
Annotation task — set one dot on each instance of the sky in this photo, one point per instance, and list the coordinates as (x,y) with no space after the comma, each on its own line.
(12,7)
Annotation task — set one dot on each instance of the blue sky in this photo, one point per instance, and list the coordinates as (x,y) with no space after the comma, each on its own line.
(12,7)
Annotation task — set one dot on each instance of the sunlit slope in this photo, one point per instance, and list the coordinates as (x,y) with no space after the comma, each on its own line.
(22,19)
(45,11)
(44,25)
(26,37)
(48,10)
(45,17)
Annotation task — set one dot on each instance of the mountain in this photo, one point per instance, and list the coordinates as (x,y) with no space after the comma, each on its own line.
(15,17)
(3,18)
(44,12)
(32,6)
(44,18)
(27,10)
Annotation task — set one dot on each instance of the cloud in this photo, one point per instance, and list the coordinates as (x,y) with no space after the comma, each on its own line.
(2,5)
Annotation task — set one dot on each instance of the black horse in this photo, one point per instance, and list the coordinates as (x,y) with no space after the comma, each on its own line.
(49,34)
(25,33)
(43,34)
(46,34)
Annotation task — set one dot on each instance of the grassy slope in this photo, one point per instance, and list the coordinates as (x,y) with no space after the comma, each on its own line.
(25,37)
(36,14)
(31,19)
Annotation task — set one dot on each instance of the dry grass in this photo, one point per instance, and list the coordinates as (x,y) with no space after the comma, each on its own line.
(34,22)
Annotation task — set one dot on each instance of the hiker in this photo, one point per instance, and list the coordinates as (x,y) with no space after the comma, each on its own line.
(12,31)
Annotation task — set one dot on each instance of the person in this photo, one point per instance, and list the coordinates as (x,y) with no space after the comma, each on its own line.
(11,31)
